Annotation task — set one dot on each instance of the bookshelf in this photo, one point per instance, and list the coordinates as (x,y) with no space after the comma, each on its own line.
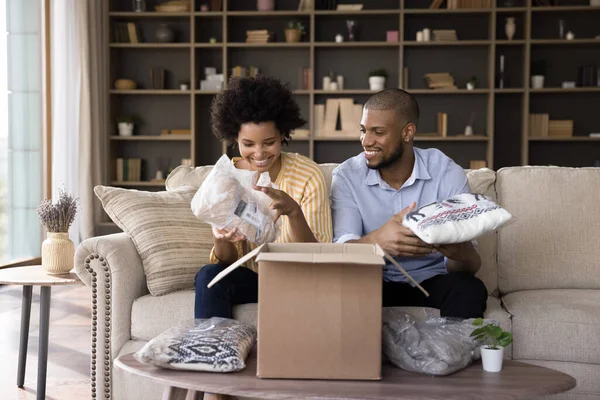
(216,38)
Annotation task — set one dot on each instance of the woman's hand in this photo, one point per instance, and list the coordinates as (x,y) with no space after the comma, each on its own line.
(281,202)
(227,236)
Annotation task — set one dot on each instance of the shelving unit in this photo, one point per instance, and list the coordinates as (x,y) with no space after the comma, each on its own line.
(500,114)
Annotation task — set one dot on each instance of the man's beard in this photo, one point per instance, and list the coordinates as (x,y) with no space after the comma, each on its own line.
(386,162)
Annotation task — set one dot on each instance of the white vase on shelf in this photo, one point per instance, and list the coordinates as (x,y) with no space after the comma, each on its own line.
(510,28)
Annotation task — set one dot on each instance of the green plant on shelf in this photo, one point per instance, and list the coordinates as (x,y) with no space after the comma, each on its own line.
(491,334)
(379,72)
(127,119)
(296,25)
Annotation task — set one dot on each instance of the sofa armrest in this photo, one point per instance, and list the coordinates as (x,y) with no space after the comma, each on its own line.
(112,267)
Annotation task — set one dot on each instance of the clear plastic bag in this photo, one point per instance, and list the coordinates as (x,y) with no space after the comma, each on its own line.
(227,199)
(433,346)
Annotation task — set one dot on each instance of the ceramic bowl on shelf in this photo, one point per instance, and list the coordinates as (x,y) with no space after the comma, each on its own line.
(173,6)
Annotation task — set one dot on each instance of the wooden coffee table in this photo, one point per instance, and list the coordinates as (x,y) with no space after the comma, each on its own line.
(516,381)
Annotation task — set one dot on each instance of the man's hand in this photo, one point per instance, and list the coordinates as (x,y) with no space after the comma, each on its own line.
(282,203)
(397,240)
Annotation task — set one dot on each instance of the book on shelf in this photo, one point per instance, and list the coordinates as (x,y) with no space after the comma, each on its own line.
(169,132)
(245,72)
(460,4)
(477,164)
(129,169)
(440,80)
(258,36)
(560,128)
(337,118)
(442,124)
(444,35)
(127,32)
(538,125)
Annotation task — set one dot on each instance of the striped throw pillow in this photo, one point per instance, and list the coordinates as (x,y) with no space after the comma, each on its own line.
(173,244)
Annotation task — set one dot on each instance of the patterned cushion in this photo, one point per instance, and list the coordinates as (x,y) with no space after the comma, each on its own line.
(461,218)
(172,243)
(215,345)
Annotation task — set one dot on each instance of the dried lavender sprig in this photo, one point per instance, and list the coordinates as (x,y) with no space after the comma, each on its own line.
(58,217)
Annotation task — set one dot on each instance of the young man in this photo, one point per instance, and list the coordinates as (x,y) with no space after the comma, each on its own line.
(372,191)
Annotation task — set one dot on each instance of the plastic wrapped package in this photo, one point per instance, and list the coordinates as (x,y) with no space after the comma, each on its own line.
(433,346)
(227,200)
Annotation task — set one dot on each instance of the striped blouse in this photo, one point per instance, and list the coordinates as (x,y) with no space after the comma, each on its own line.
(303,181)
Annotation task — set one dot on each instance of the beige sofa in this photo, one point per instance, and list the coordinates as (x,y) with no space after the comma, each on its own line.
(542,273)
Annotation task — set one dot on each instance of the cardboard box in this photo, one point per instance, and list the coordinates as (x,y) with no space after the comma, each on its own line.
(319,310)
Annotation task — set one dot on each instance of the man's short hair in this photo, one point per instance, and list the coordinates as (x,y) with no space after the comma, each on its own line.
(401,101)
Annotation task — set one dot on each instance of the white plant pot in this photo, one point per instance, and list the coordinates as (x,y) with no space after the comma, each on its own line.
(537,81)
(183,86)
(470,86)
(125,128)
(492,359)
(377,82)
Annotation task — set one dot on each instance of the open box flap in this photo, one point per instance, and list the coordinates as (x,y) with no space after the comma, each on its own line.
(316,258)
(399,267)
(235,265)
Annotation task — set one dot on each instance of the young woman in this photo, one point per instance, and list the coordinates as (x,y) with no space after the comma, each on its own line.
(258,115)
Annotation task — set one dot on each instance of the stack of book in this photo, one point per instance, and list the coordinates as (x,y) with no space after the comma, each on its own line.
(245,72)
(560,128)
(258,36)
(444,35)
(456,4)
(338,118)
(440,80)
(127,32)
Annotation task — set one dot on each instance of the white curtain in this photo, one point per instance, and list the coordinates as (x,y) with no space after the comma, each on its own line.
(78,123)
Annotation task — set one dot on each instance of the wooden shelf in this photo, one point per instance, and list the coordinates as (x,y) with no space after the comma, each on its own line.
(138,183)
(151,92)
(161,138)
(206,92)
(209,45)
(261,14)
(338,138)
(510,9)
(301,91)
(357,44)
(447,11)
(148,14)
(514,42)
(151,45)
(269,45)
(449,91)
(563,8)
(451,138)
(449,43)
(359,12)
(565,41)
(564,139)
(345,91)
(567,90)
(509,90)
(208,14)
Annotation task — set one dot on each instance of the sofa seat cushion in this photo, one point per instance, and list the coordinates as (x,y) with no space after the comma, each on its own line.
(151,315)
(555,325)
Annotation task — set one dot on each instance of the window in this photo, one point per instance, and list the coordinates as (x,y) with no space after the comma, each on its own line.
(20,128)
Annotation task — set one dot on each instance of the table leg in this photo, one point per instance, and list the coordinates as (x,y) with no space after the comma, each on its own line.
(43,346)
(24,334)
(175,393)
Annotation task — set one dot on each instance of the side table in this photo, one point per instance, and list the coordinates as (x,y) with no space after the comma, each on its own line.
(29,277)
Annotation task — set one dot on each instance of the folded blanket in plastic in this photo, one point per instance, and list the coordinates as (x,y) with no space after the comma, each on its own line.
(434,346)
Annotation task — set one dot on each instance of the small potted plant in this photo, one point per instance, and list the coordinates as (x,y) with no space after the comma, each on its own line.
(126,124)
(472,83)
(377,79)
(538,71)
(294,31)
(58,250)
(495,340)
(184,84)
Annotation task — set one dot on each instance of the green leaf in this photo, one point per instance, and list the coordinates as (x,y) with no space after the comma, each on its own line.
(478,322)
(479,337)
(478,331)
(505,339)
(493,331)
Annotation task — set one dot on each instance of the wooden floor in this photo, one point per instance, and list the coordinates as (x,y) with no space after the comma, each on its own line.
(68,348)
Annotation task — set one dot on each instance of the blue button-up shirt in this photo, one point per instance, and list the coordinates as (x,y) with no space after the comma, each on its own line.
(363,202)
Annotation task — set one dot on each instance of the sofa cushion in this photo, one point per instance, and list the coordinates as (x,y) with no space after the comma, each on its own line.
(483,181)
(172,243)
(553,242)
(150,316)
(555,325)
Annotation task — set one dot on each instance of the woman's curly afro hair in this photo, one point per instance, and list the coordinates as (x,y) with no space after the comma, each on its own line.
(260,99)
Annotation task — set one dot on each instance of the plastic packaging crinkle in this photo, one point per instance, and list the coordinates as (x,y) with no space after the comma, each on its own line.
(227,199)
(434,346)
